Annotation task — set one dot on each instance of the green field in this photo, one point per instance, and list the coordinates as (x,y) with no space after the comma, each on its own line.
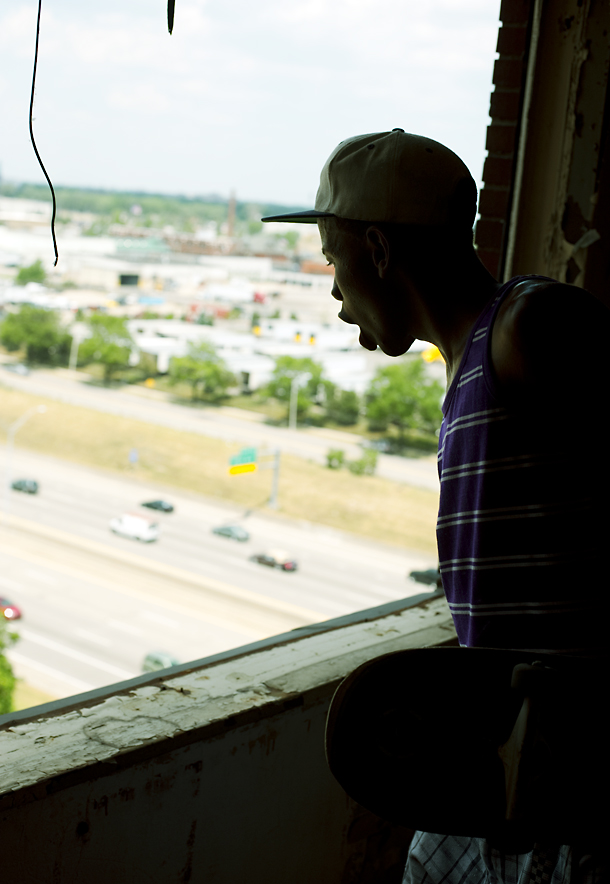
(366,505)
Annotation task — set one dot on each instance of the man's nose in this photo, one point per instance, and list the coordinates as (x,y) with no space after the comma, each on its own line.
(336,293)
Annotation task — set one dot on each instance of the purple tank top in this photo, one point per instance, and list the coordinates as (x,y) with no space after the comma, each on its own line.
(519,524)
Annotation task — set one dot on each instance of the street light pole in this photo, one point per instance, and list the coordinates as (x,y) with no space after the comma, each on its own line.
(10,445)
(298,381)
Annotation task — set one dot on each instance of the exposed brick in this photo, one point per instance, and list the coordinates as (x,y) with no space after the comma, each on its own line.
(512,40)
(493,203)
(490,259)
(508,73)
(489,233)
(504,105)
(515,11)
(501,139)
(498,170)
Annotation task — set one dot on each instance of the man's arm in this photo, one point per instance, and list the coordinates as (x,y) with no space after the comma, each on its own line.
(549,345)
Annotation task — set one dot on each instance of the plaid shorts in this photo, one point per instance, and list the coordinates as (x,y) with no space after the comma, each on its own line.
(448,859)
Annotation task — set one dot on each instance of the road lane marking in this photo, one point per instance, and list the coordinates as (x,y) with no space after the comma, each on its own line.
(10,584)
(225,592)
(124,627)
(35,574)
(22,660)
(92,637)
(159,618)
(76,655)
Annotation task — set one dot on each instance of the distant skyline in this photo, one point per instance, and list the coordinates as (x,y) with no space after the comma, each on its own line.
(244,97)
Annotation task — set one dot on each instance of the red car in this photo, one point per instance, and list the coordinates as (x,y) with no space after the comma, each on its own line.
(275,559)
(9,610)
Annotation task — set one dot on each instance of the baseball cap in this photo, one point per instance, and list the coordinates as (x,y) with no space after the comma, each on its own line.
(392,177)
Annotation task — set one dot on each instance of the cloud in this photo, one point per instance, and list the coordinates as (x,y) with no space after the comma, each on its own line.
(244,93)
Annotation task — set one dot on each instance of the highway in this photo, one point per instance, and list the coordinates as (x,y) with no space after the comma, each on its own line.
(94,604)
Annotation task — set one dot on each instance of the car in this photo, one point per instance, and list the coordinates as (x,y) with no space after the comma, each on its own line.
(161,505)
(156,660)
(431,576)
(9,610)
(275,559)
(235,532)
(135,527)
(17,368)
(28,486)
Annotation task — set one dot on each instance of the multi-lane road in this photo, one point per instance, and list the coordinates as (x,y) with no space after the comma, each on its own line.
(94,604)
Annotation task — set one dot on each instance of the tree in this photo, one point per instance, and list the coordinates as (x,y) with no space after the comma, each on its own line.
(7,678)
(39,331)
(287,368)
(204,370)
(32,273)
(404,396)
(110,344)
(342,406)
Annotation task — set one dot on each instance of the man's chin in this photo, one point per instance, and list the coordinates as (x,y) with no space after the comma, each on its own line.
(397,348)
(366,342)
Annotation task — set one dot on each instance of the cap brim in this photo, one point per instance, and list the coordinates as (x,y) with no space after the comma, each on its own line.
(309,217)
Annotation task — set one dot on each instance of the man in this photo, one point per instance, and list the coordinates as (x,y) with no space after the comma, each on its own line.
(522,516)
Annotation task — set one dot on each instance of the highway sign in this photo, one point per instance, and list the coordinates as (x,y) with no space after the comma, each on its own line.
(246,455)
(238,468)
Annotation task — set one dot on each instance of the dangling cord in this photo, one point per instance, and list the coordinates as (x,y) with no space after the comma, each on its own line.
(32,136)
(170,15)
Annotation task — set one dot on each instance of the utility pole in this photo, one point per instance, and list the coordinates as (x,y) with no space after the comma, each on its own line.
(299,380)
(275,482)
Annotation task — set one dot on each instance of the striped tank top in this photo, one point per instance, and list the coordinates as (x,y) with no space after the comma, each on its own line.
(521,522)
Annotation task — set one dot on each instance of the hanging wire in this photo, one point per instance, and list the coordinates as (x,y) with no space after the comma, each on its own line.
(34,142)
(170,14)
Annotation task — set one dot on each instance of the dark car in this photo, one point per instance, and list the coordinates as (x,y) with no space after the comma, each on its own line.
(28,486)
(432,577)
(161,505)
(235,532)
(275,559)
(8,610)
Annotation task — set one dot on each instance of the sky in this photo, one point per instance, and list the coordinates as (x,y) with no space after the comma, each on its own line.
(245,96)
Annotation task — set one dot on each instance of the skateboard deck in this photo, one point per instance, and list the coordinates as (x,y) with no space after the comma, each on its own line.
(414,736)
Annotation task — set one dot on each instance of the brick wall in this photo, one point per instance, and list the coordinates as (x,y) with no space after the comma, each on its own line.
(503,132)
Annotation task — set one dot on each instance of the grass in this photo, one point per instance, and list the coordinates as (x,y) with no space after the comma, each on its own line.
(25,696)
(367,505)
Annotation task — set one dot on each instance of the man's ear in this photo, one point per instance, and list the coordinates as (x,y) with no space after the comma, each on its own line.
(379,249)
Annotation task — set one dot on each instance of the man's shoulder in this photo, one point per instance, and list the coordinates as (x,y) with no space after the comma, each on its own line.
(541,327)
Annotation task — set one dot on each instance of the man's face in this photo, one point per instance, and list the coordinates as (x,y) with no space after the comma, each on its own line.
(367,299)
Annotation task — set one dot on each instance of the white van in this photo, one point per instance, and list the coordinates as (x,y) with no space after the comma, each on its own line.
(135,526)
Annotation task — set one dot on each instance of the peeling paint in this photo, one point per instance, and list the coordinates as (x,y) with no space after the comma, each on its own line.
(155,713)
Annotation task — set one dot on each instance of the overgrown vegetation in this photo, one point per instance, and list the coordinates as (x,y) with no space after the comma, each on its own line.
(32,273)
(39,333)
(402,395)
(184,213)
(7,678)
(205,372)
(110,344)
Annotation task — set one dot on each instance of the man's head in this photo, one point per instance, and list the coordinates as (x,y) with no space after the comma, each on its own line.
(393,209)
(395,178)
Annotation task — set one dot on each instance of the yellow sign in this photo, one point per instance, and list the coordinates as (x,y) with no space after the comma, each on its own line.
(432,354)
(238,468)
